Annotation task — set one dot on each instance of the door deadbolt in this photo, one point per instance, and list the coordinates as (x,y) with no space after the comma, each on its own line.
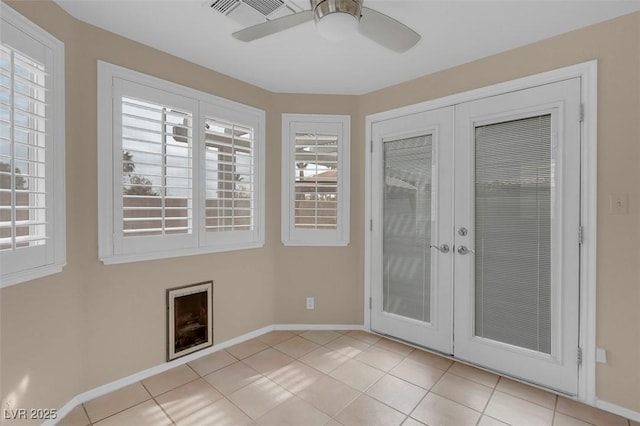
(463,232)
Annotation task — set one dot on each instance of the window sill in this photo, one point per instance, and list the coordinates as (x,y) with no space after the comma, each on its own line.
(141,257)
(315,243)
(31,274)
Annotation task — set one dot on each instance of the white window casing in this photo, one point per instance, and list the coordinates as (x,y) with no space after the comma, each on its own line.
(315,179)
(180,171)
(32,174)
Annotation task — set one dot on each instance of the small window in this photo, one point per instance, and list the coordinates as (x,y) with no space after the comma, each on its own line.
(315,180)
(185,175)
(32,223)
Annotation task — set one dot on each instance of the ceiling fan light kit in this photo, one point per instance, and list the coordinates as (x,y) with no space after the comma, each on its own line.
(337,19)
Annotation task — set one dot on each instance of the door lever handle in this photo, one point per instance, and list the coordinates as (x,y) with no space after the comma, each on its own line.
(464,250)
(444,248)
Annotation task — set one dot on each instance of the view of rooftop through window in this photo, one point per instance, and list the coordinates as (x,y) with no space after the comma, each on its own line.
(229,175)
(157,187)
(156,169)
(316,167)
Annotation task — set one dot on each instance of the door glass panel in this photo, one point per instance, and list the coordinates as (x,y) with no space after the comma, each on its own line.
(514,185)
(407,227)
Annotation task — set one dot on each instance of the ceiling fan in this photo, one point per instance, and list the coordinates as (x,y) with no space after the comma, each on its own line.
(337,19)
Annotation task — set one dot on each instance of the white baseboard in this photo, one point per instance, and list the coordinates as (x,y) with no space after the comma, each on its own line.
(141,375)
(316,327)
(616,409)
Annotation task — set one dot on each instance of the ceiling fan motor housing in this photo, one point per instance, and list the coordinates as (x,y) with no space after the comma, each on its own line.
(322,8)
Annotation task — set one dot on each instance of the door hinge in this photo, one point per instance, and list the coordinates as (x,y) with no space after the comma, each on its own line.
(581,113)
(580,235)
(370,303)
(371,225)
(371,145)
(579,356)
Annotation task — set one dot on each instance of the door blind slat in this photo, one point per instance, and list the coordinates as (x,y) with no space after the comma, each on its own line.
(407,227)
(514,187)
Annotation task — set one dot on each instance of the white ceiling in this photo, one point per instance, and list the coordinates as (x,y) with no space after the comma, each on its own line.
(298,60)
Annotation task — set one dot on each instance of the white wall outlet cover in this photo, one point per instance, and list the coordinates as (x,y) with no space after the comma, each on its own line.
(619,203)
(601,355)
(311,301)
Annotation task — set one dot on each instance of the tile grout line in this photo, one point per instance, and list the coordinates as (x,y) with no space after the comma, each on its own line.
(388,373)
(272,346)
(122,411)
(91,422)
(262,375)
(555,411)
(209,384)
(328,374)
(84,409)
(162,408)
(493,391)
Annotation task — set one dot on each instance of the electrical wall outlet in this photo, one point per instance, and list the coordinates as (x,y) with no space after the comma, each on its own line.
(311,303)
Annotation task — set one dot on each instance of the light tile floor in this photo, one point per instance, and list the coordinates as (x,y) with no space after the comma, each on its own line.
(332,378)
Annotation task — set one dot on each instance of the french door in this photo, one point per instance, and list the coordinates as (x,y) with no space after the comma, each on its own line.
(413,206)
(475,236)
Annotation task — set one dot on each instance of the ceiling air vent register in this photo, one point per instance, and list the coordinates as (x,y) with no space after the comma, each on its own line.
(252,12)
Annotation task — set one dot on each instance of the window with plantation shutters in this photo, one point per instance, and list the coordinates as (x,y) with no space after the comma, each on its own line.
(31,151)
(315,182)
(186,172)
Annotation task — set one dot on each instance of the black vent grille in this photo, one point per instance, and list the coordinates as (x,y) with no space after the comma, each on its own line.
(265,7)
(223,6)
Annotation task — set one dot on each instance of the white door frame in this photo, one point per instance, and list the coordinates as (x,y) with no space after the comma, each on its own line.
(588,72)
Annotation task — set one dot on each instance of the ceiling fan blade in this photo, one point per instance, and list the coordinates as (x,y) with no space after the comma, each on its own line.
(386,31)
(274,26)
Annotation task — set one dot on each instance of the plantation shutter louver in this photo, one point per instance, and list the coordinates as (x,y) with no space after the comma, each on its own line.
(23,151)
(157,196)
(316,181)
(230,176)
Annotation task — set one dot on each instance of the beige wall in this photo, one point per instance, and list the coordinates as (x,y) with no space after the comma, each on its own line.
(333,275)
(92,324)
